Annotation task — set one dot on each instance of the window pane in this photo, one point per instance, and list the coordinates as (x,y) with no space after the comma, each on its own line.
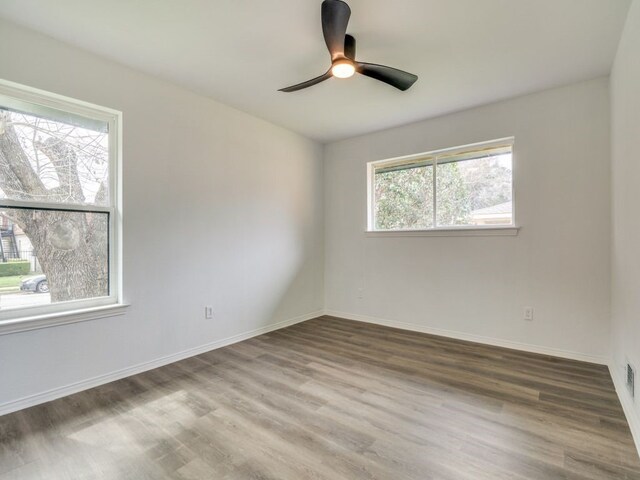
(404,199)
(52,256)
(475,192)
(58,160)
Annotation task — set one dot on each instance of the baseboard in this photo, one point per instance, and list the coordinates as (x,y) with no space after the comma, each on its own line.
(55,393)
(633,419)
(497,342)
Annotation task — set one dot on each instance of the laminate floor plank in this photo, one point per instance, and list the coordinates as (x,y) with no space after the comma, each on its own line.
(332,399)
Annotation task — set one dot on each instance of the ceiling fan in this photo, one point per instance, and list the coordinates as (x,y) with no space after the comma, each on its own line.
(342,47)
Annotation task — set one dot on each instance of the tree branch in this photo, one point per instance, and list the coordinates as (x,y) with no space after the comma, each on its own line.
(16,173)
(64,160)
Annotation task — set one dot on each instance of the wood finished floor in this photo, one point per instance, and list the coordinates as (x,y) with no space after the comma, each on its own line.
(334,399)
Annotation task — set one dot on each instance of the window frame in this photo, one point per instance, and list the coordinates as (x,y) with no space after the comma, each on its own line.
(29,317)
(455,230)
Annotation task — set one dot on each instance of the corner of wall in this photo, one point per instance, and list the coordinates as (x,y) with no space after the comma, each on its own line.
(624,95)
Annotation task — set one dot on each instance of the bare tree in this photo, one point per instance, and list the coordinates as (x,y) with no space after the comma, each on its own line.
(48,161)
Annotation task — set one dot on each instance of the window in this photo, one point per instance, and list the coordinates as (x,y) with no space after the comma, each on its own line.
(59,216)
(461,188)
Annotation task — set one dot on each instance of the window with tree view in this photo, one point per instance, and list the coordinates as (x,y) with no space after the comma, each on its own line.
(463,187)
(57,203)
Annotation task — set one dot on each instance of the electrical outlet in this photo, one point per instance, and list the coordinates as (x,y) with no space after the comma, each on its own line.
(528,313)
(208,312)
(360,293)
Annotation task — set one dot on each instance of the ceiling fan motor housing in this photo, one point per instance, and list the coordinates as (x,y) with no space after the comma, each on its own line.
(342,47)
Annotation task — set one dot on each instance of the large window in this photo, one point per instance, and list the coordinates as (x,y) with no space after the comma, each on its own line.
(461,188)
(59,214)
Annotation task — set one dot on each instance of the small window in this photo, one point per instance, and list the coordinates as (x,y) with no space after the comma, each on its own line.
(58,204)
(464,187)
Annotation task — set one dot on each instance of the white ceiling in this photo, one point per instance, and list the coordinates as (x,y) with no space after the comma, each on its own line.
(466,52)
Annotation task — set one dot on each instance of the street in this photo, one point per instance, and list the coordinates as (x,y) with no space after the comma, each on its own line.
(10,300)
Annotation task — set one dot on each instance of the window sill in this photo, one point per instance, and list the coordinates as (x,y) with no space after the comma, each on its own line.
(448,232)
(60,318)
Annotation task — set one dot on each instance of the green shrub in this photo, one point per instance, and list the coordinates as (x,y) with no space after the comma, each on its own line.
(15,268)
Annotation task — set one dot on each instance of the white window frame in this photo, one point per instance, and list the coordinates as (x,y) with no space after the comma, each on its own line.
(462,230)
(31,317)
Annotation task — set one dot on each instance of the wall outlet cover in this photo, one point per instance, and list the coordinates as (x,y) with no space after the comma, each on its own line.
(528,313)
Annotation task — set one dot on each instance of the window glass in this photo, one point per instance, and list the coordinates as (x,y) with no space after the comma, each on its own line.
(46,160)
(475,191)
(404,198)
(57,205)
(473,188)
(53,256)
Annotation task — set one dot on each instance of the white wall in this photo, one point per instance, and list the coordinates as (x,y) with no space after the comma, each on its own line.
(478,286)
(198,176)
(625,142)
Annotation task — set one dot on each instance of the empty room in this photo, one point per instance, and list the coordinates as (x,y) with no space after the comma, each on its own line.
(319,239)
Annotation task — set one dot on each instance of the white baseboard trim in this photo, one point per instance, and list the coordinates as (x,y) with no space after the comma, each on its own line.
(633,419)
(497,342)
(55,393)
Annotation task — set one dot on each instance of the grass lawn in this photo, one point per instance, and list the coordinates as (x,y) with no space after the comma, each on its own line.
(13,281)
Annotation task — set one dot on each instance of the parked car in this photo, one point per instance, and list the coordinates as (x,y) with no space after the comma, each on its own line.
(36,284)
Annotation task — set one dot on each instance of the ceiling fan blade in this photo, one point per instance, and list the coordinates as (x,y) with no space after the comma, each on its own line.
(350,47)
(335,18)
(308,83)
(394,77)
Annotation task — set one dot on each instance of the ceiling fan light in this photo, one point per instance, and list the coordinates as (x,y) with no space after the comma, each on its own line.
(343,69)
